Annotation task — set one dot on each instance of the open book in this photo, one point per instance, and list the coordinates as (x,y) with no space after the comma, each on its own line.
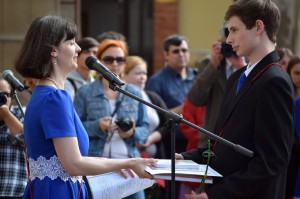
(190,175)
(113,185)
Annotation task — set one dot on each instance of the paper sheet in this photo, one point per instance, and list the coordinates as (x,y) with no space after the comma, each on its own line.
(113,185)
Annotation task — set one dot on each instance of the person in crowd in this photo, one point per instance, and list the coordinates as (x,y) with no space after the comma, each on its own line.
(13,178)
(56,141)
(115,122)
(135,72)
(172,83)
(285,55)
(209,85)
(257,111)
(293,69)
(111,35)
(293,178)
(82,75)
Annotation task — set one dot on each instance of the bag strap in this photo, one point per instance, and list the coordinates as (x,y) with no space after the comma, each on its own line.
(118,104)
(73,84)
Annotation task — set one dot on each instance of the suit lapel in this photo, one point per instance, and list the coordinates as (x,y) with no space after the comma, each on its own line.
(233,99)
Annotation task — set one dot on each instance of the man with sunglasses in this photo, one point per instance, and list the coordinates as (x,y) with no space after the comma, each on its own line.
(172,84)
(13,171)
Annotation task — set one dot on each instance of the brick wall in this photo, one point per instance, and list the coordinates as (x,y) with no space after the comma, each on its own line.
(165,23)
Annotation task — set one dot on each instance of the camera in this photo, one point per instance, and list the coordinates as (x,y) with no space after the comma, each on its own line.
(124,124)
(226,50)
(3,99)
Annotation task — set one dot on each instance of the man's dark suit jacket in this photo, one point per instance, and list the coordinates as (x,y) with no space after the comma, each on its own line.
(260,117)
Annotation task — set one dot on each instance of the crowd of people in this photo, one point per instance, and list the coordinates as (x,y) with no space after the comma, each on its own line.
(247,90)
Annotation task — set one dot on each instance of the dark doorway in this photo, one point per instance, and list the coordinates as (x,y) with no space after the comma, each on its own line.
(132,18)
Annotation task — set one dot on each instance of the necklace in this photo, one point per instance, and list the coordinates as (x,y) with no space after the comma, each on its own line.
(53,81)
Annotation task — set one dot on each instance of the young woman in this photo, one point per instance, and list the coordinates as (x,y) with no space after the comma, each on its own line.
(57,143)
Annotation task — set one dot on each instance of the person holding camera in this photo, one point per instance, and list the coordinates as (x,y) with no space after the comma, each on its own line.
(209,85)
(115,123)
(13,178)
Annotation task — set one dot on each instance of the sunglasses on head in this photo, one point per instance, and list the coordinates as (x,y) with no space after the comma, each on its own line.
(183,50)
(110,60)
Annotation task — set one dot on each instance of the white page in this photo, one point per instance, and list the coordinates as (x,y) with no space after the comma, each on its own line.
(201,171)
(179,164)
(113,185)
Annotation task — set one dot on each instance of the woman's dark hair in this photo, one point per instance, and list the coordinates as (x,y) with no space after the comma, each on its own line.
(293,61)
(87,43)
(251,10)
(44,34)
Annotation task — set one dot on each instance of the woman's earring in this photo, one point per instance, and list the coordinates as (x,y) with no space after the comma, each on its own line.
(54,62)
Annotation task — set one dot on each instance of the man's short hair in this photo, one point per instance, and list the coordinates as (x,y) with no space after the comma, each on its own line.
(175,40)
(251,10)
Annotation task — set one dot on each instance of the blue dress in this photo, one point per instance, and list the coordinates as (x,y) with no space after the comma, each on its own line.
(50,114)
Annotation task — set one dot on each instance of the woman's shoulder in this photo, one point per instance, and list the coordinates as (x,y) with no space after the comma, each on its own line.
(58,96)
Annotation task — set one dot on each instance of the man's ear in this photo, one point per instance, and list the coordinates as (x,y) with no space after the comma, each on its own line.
(260,26)
(166,55)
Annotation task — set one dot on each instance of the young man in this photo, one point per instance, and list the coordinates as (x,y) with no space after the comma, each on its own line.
(259,116)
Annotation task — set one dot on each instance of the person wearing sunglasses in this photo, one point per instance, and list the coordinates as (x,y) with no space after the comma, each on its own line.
(173,82)
(105,113)
(13,178)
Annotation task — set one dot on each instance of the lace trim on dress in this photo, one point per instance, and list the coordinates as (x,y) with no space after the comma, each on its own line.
(51,168)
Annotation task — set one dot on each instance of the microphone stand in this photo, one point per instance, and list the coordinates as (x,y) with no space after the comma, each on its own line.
(173,120)
(15,96)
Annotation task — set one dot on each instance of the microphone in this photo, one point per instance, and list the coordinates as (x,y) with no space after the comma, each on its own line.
(12,80)
(94,64)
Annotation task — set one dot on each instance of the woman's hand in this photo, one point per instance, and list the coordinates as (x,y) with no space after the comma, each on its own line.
(153,138)
(105,124)
(138,166)
(193,195)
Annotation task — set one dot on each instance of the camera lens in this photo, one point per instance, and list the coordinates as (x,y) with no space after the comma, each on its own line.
(124,124)
(226,50)
(3,99)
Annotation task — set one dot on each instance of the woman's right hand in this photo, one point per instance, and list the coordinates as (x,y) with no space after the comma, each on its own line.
(138,166)
(105,124)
